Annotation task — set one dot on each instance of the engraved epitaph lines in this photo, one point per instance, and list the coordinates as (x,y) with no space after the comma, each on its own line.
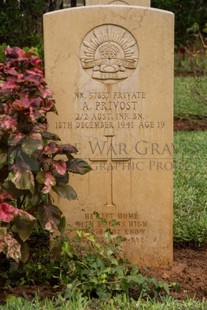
(110,160)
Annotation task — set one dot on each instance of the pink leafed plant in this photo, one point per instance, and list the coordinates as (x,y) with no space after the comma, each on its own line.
(30,164)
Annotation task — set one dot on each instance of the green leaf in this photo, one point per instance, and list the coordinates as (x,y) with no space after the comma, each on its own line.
(3,159)
(12,190)
(40,177)
(32,200)
(61,178)
(31,145)
(23,179)
(65,191)
(113,260)
(77,165)
(50,136)
(62,225)
(24,227)
(24,252)
(19,156)
(91,238)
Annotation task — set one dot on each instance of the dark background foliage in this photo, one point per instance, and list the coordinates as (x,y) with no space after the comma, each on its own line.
(187,14)
(21,21)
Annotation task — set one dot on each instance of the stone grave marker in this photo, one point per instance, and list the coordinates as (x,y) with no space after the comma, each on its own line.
(115,2)
(111,70)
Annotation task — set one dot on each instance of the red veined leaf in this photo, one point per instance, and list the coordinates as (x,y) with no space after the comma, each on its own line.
(77,165)
(5,196)
(65,191)
(10,247)
(7,122)
(60,166)
(11,71)
(33,79)
(23,177)
(15,139)
(51,148)
(22,104)
(36,102)
(68,149)
(45,92)
(14,52)
(36,62)
(32,114)
(49,182)
(8,213)
(50,136)
(9,81)
(49,216)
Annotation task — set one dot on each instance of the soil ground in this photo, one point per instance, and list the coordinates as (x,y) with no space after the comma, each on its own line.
(190,125)
(188,276)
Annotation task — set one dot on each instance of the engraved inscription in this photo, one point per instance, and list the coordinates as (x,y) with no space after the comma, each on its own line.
(109,53)
(112,156)
(112,109)
(130,225)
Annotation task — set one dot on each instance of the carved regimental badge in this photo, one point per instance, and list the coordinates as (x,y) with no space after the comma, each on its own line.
(109,53)
(119,2)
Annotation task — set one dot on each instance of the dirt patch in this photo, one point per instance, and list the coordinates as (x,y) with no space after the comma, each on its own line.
(28,292)
(190,125)
(188,276)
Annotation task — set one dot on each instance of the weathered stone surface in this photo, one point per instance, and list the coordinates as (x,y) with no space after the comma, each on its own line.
(115,2)
(111,69)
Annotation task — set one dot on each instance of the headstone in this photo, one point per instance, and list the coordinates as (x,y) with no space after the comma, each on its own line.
(115,2)
(111,69)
